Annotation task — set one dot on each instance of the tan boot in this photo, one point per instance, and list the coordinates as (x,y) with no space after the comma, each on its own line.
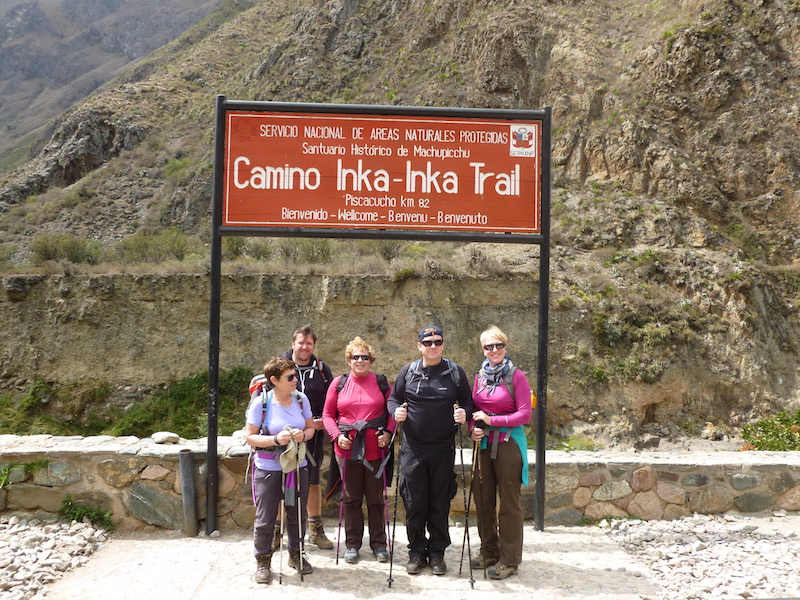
(294,562)
(316,534)
(264,568)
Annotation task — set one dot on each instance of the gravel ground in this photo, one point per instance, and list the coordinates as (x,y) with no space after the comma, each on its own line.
(701,557)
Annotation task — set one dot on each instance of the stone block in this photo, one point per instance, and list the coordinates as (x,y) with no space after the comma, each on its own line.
(671,493)
(694,480)
(244,516)
(745,481)
(612,491)
(568,517)
(752,502)
(581,497)
(559,500)
(29,496)
(790,500)
(153,505)
(592,479)
(646,505)
(783,483)
(675,511)
(154,473)
(121,473)
(643,479)
(556,481)
(600,510)
(58,473)
(711,500)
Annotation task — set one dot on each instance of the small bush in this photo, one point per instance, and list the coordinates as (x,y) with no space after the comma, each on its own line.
(65,246)
(6,254)
(306,250)
(778,433)
(154,247)
(72,511)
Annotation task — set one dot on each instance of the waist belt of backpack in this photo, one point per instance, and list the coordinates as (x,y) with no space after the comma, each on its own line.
(358,450)
(495,439)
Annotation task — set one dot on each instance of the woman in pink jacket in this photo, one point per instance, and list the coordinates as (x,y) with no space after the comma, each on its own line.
(502,398)
(356,418)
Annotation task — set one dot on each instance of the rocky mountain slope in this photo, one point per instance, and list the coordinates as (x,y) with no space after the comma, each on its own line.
(54,53)
(675,199)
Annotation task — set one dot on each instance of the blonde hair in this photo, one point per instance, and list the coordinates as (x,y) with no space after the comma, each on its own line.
(358,343)
(493,332)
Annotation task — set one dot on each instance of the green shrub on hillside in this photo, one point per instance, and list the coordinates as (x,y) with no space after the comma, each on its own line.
(65,246)
(778,433)
(180,407)
(156,247)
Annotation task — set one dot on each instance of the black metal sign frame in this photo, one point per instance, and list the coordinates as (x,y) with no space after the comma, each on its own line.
(542,239)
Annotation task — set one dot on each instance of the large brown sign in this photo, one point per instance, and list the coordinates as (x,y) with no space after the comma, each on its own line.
(285,169)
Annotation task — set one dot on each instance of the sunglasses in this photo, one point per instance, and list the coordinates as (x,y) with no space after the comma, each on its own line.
(363,357)
(291,377)
(497,346)
(429,343)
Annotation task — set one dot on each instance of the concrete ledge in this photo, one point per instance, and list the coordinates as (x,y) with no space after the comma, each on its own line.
(138,481)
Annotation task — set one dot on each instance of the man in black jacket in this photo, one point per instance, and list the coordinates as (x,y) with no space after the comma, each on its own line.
(430,398)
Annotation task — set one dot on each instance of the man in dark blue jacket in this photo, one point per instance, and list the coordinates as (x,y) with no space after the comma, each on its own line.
(431,397)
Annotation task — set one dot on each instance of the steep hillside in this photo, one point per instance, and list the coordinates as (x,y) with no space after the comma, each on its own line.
(675,214)
(54,53)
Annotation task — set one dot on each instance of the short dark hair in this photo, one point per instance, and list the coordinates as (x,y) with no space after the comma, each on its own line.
(305,331)
(277,366)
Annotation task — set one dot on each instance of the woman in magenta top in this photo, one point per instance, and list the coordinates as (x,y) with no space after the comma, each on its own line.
(356,418)
(502,398)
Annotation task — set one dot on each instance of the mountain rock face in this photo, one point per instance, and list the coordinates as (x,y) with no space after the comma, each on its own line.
(675,286)
(54,53)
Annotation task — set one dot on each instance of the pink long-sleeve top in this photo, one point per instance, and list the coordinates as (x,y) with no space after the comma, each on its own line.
(359,400)
(505,410)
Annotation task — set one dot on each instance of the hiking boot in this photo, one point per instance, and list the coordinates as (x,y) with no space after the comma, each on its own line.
(500,571)
(316,534)
(351,556)
(382,555)
(438,565)
(264,568)
(276,537)
(294,562)
(482,562)
(415,564)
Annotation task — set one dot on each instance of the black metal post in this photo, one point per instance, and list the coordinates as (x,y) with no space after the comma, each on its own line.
(212,471)
(544,303)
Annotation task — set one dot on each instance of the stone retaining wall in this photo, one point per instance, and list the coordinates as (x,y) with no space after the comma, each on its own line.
(138,481)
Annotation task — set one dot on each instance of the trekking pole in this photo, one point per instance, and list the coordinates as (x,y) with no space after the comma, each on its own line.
(300,533)
(282,510)
(385,486)
(464,490)
(396,492)
(469,502)
(341,504)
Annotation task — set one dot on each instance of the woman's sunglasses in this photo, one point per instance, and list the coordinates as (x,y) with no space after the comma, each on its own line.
(362,357)
(498,346)
(429,343)
(291,377)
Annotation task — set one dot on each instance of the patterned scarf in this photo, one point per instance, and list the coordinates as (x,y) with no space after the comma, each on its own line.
(493,376)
